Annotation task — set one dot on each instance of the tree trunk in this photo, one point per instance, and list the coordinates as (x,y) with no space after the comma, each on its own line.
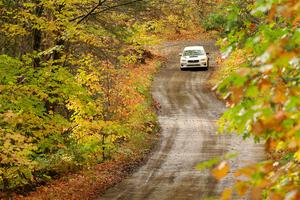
(37,35)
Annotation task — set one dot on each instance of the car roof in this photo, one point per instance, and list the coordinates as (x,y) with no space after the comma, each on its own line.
(194,48)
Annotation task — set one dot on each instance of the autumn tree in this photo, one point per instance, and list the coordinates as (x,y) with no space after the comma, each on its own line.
(67,86)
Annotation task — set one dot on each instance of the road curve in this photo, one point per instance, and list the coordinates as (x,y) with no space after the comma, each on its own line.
(187,118)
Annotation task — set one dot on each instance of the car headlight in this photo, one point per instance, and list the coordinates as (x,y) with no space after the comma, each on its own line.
(183,60)
(203,59)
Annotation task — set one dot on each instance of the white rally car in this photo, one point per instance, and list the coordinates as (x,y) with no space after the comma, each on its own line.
(194,57)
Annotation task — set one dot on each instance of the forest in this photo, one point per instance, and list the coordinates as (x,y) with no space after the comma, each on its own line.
(75,79)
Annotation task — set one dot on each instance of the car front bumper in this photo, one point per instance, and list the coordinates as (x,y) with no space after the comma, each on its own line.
(194,65)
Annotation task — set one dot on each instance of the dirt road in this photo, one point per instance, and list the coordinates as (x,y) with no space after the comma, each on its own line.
(188,115)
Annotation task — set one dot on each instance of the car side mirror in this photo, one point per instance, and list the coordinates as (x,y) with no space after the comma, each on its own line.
(180,54)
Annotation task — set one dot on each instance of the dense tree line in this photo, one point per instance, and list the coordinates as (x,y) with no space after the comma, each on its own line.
(68,92)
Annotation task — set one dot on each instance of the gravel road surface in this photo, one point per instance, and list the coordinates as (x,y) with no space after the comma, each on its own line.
(187,118)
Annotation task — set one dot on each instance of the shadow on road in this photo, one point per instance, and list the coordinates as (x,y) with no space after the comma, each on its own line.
(195,69)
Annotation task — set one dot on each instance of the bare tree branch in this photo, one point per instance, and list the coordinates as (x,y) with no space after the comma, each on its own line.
(83,17)
(116,6)
(93,10)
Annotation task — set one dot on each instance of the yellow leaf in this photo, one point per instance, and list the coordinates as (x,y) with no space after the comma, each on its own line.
(275,196)
(221,170)
(279,96)
(241,188)
(237,94)
(264,85)
(227,193)
(257,128)
(256,193)
(297,155)
(246,171)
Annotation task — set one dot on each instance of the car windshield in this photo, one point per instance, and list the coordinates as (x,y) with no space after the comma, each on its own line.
(193,53)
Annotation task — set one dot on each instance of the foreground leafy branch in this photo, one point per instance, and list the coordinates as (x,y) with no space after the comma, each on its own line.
(263,91)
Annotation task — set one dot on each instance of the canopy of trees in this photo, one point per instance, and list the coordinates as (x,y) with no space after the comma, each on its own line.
(71,91)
